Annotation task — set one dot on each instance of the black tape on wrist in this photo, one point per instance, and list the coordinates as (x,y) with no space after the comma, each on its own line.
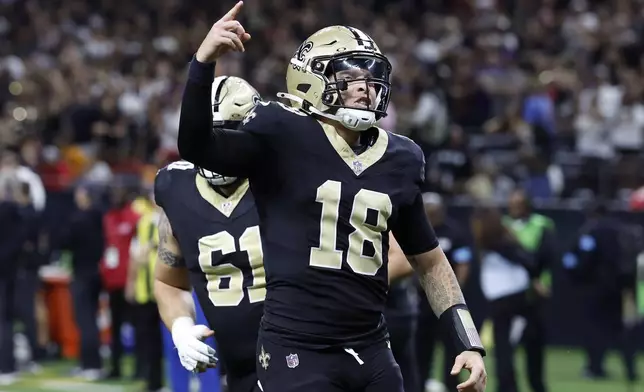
(458,323)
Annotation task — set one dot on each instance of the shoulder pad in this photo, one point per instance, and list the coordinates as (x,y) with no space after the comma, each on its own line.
(163,182)
(281,107)
(415,153)
(269,112)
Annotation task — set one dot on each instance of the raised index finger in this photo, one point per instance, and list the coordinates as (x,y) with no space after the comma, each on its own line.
(232,14)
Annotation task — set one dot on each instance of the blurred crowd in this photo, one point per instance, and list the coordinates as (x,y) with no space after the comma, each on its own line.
(545,95)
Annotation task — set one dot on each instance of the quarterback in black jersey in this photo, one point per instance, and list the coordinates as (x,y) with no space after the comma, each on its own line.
(329,185)
(210,241)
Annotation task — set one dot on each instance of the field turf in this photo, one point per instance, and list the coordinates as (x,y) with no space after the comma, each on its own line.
(563,375)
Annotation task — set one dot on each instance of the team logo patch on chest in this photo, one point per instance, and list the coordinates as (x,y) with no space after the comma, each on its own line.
(292,361)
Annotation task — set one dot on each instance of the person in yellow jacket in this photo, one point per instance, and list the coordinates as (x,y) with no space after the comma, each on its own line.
(139,292)
(536,234)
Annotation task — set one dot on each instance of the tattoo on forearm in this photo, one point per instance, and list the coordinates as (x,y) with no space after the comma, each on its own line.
(441,287)
(164,254)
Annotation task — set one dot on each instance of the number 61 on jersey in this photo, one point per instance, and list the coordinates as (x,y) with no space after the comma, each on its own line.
(224,242)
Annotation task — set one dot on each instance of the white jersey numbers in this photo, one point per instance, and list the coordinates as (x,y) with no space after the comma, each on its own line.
(326,255)
(232,293)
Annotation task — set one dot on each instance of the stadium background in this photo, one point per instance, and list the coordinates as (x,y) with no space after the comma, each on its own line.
(546,95)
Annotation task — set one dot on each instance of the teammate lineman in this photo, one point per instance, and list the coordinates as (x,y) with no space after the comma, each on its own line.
(329,185)
(209,240)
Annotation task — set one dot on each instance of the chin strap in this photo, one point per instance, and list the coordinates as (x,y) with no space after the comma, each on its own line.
(354,119)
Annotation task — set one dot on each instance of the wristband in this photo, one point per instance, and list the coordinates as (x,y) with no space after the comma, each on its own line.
(201,73)
(457,322)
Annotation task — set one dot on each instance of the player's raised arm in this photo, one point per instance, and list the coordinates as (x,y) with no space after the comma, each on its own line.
(225,151)
(177,309)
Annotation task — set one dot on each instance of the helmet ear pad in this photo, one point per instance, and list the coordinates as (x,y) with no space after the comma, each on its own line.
(317,66)
(330,98)
(332,95)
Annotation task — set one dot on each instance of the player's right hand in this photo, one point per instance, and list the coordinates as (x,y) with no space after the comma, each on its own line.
(472,361)
(225,35)
(188,338)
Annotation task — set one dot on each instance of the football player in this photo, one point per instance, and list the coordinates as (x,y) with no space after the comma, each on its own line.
(329,185)
(209,241)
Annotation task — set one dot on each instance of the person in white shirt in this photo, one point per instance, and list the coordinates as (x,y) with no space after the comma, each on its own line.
(12,170)
(508,275)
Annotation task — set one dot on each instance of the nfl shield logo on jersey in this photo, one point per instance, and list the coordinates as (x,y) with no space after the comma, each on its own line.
(357,167)
(227,207)
(292,360)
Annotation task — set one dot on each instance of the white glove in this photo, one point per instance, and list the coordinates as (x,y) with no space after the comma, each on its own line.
(194,354)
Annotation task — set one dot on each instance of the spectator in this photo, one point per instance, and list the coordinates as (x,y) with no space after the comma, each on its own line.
(11,167)
(488,183)
(139,293)
(29,259)
(16,215)
(536,234)
(451,166)
(592,133)
(119,225)
(596,264)
(627,134)
(536,182)
(83,237)
(454,242)
(507,275)
(510,123)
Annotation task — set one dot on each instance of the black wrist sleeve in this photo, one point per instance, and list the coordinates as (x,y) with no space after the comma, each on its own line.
(458,323)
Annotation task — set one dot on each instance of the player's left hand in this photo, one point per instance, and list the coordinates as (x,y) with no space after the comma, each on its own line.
(472,361)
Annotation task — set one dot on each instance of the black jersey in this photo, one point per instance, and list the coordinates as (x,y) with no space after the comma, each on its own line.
(325,213)
(220,241)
